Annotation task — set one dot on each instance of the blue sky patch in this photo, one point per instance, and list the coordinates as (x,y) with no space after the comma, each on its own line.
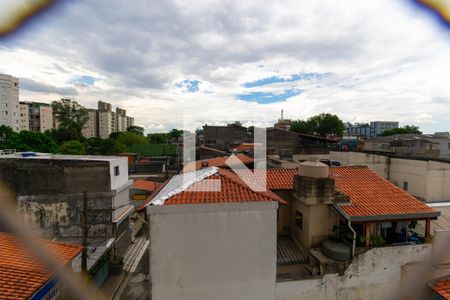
(293,77)
(191,86)
(269,97)
(88,80)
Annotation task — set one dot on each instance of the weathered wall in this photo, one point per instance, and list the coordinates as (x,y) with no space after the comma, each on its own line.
(378,163)
(213,251)
(375,275)
(49,193)
(428,180)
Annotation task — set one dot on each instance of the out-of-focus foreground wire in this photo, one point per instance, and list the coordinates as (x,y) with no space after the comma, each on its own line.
(441,8)
(11,21)
(75,284)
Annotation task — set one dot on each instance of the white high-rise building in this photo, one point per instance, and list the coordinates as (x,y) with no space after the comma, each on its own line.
(9,102)
(24,120)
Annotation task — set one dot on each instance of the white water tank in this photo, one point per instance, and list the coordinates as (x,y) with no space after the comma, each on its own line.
(314,169)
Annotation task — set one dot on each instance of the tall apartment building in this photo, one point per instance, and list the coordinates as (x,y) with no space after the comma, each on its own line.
(91,127)
(9,102)
(40,116)
(130,121)
(104,121)
(24,120)
(372,130)
(121,119)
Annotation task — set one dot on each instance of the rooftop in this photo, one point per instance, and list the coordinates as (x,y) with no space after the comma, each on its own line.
(442,223)
(374,198)
(216,162)
(442,287)
(38,155)
(21,274)
(232,189)
(246,147)
(146,185)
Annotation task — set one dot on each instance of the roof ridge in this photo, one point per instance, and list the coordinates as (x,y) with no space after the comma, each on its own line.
(237,180)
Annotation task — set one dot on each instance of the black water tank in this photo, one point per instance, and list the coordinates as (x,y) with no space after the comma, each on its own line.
(336,250)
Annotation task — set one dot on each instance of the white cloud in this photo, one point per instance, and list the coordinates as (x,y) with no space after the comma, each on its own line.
(389,60)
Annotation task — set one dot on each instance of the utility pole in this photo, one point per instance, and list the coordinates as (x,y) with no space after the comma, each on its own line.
(84,226)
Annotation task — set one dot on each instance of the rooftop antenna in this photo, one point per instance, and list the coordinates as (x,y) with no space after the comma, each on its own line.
(282,118)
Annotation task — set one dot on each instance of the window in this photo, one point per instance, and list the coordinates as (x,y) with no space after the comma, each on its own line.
(449,145)
(116,171)
(299,219)
(405,185)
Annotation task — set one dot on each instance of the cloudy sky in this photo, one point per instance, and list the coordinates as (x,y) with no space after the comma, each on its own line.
(171,63)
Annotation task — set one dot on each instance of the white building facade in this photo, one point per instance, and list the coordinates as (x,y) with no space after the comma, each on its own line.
(9,102)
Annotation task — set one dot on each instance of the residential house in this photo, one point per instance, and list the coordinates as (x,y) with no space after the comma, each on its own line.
(225,137)
(23,276)
(50,192)
(220,162)
(405,144)
(297,143)
(425,178)
(218,244)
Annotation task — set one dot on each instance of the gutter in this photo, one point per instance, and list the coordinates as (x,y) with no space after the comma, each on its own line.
(354,238)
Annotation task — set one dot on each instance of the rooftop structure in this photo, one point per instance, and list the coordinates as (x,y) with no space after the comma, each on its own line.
(21,275)
(374,198)
(216,162)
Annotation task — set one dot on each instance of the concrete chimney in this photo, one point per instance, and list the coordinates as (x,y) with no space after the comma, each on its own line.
(313,169)
(312,185)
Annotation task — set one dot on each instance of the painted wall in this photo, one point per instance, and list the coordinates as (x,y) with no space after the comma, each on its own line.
(213,251)
(428,180)
(375,275)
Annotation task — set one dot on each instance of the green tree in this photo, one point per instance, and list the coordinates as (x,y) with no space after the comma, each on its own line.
(61,135)
(136,129)
(70,114)
(301,127)
(322,124)
(402,130)
(72,147)
(94,146)
(8,138)
(157,138)
(175,133)
(111,147)
(35,141)
(130,138)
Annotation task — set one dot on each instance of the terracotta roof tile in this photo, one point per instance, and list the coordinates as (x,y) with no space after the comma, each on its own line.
(216,162)
(246,147)
(442,287)
(233,189)
(372,195)
(145,185)
(21,274)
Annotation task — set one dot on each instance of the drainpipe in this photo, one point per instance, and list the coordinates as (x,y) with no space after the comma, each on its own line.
(354,238)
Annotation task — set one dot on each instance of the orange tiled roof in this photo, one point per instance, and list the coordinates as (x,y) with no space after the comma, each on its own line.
(21,274)
(233,189)
(442,287)
(372,195)
(216,162)
(145,185)
(276,179)
(246,147)
(280,179)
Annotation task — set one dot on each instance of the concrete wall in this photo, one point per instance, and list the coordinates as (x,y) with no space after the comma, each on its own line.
(427,179)
(375,275)
(49,193)
(213,251)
